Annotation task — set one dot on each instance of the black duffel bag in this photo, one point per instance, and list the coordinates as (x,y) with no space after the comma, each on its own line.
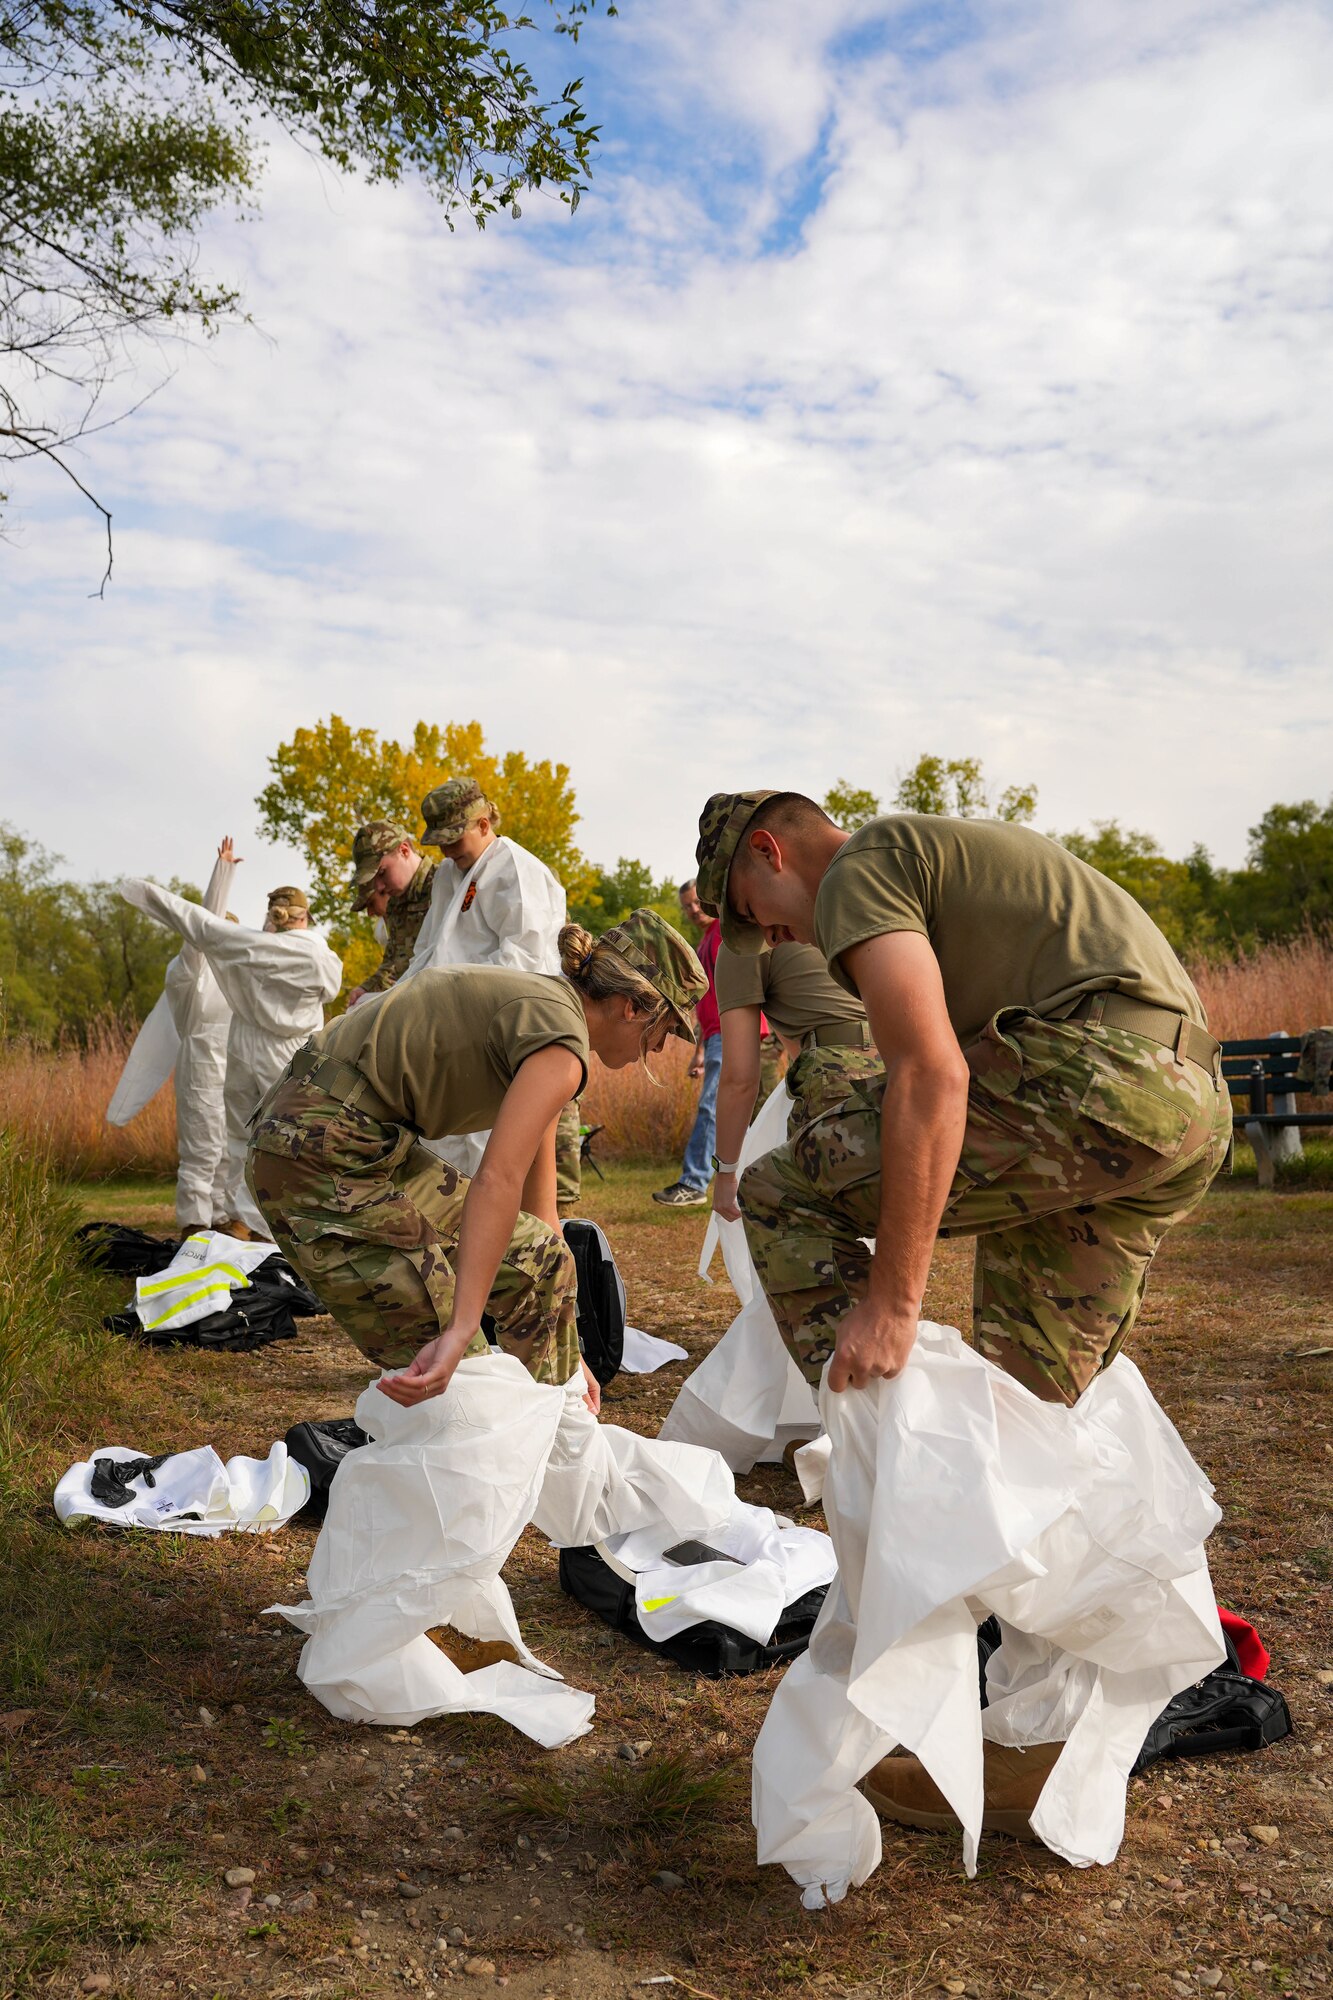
(601,1298)
(125,1252)
(265,1310)
(1227,1710)
(321,1448)
(709,1649)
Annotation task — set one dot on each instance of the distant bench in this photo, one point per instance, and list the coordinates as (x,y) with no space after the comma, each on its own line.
(1263,1074)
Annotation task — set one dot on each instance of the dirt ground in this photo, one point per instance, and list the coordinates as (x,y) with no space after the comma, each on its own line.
(154,1735)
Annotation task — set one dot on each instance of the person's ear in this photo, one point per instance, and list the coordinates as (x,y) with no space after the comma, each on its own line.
(628,1006)
(764,848)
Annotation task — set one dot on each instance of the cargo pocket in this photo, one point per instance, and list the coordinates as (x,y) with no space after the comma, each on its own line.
(1133,1111)
(390,1297)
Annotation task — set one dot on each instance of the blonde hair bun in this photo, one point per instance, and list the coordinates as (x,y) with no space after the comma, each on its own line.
(575,945)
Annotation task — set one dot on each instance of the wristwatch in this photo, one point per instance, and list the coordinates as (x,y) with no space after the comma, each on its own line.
(721,1167)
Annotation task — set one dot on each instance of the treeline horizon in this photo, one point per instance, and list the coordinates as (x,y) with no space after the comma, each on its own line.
(73,954)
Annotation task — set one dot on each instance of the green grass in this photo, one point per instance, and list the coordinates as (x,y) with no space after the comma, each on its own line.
(644,1800)
(1313,1170)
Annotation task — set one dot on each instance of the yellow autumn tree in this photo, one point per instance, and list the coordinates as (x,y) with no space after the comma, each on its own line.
(330,779)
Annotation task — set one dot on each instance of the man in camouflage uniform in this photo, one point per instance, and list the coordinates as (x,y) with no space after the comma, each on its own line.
(392,881)
(1065,1119)
(1050,1088)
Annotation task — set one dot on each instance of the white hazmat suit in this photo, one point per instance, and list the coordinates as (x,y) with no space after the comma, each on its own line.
(187,1033)
(276,984)
(506,909)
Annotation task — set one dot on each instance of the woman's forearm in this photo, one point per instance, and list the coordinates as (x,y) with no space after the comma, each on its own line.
(490,1211)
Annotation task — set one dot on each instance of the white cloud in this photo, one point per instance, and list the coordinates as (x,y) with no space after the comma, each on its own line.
(1022,448)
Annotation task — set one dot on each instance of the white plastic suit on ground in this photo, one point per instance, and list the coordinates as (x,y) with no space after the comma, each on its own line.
(952,1492)
(422,1520)
(276,984)
(747,1398)
(186,1032)
(507,909)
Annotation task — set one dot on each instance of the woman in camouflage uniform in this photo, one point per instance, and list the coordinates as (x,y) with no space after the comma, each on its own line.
(406,1254)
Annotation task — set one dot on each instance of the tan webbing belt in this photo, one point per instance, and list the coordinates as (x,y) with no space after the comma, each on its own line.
(838,1035)
(1162,1025)
(343,1082)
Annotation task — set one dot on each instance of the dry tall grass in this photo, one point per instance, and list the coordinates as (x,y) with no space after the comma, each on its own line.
(643,1120)
(56,1100)
(1279,989)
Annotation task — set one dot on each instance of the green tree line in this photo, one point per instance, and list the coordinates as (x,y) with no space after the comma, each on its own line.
(73,953)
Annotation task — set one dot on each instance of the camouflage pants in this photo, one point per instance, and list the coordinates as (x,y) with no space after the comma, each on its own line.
(371,1219)
(1083,1145)
(568,1159)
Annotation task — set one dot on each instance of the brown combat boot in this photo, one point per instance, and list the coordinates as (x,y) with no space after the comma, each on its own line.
(901,1789)
(229,1226)
(470,1655)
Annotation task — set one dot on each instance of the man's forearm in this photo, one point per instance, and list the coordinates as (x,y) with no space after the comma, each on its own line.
(923,1122)
(735,1108)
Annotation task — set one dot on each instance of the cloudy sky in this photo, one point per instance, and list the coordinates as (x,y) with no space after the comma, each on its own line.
(934,377)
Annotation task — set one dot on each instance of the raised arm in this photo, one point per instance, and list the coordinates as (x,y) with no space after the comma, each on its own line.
(524,1126)
(921,1136)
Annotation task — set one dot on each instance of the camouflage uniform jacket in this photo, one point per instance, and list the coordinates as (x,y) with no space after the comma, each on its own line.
(402,920)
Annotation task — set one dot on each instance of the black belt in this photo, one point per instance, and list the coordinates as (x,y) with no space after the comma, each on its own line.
(1163,1025)
(343,1082)
(838,1035)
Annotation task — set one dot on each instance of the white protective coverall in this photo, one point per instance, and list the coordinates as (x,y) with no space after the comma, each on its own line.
(186,1032)
(747,1398)
(507,909)
(276,984)
(952,1492)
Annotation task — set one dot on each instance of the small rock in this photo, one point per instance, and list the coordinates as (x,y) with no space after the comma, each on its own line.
(641,1749)
(239,1878)
(666,1878)
(955,1985)
(628,1754)
(301,1906)
(1210,1976)
(273,1902)
(198,1775)
(1115,1906)
(1268,1835)
(1324,1675)
(409,1891)
(480,1968)
(240,1898)
(207,1717)
(452,1833)
(97,1982)
(455,1763)
(326,1870)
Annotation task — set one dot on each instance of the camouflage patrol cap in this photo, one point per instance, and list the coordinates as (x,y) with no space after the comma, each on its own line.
(659,954)
(373,841)
(452,808)
(721,825)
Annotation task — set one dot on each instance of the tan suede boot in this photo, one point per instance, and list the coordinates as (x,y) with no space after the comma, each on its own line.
(900,1788)
(229,1226)
(470,1655)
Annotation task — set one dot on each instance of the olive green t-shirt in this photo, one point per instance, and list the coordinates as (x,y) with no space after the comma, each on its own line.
(1014,919)
(792,985)
(442,1048)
